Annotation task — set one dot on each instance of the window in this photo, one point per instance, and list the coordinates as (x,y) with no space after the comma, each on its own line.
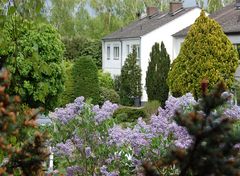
(116,52)
(108,52)
(137,47)
(128,49)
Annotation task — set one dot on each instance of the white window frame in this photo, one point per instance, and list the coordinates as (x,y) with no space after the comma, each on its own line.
(116,55)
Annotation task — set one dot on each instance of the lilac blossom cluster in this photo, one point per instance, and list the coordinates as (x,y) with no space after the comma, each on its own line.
(73,170)
(104,172)
(162,124)
(105,112)
(66,148)
(64,115)
(233,112)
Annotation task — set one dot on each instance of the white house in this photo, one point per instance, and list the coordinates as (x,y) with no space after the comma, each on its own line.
(170,27)
(143,33)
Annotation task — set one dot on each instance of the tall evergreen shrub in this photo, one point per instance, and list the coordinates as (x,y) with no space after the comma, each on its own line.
(86,79)
(205,53)
(156,77)
(130,79)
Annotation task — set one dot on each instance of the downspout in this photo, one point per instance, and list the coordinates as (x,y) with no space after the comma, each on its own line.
(121,54)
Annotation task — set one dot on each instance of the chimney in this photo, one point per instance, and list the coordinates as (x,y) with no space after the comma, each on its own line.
(175,6)
(151,11)
(237,5)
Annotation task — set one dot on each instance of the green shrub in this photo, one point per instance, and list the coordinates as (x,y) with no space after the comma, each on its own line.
(151,107)
(117,83)
(108,94)
(206,53)
(105,80)
(79,46)
(157,73)
(128,114)
(86,79)
(68,94)
(130,79)
(34,55)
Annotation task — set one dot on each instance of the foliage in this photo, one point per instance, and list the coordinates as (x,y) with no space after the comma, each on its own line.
(151,107)
(22,149)
(105,80)
(205,53)
(108,94)
(68,94)
(130,79)
(117,83)
(34,55)
(129,114)
(86,79)
(78,46)
(213,150)
(156,76)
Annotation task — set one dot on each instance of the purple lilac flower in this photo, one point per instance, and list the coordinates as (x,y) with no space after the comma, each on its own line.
(73,170)
(160,125)
(77,141)
(104,171)
(70,111)
(105,112)
(66,148)
(233,112)
(88,152)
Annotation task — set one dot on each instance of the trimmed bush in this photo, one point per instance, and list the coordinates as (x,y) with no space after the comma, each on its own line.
(206,53)
(108,94)
(85,75)
(68,94)
(151,107)
(128,114)
(105,80)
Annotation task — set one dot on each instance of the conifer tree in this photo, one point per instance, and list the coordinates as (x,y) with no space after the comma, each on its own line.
(130,79)
(205,53)
(86,79)
(156,77)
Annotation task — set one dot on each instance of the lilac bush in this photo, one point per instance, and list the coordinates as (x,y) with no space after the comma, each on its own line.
(79,136)
(88,141)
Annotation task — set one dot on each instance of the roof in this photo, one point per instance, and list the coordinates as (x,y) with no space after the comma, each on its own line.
(145,25)
(228,17)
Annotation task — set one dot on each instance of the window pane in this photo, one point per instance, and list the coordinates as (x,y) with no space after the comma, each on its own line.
(116,52)
(108,52)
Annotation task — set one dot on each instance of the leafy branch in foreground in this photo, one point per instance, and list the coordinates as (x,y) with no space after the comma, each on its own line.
(22,147)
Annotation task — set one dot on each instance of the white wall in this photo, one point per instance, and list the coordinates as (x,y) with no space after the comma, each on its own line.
(112,65)
(164,34)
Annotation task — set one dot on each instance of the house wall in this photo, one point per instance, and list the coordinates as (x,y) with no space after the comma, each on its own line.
(112,65)
(164,34)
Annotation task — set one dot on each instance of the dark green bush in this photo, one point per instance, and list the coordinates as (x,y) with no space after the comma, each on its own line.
(108,94)
(128,114)
(86,79)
